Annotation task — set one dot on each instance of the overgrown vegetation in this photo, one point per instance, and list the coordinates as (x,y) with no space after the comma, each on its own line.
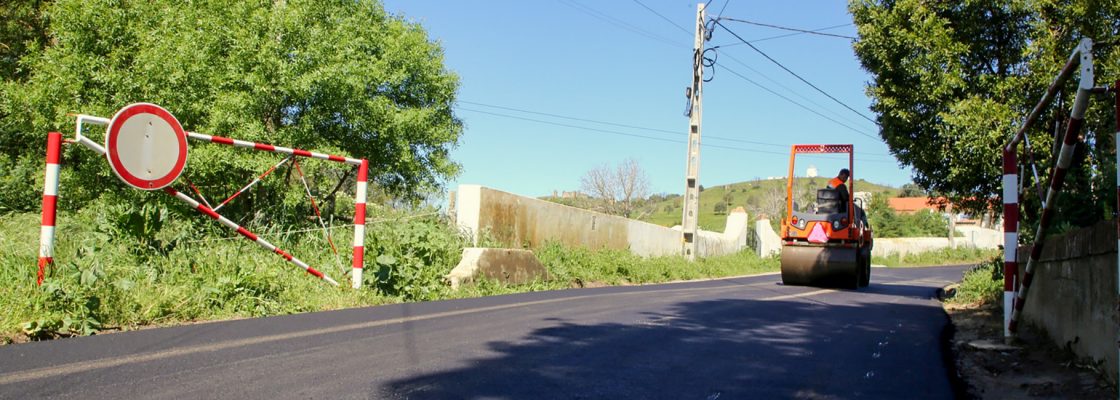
(119,270)
(338,77)
(890,224)
(982,284)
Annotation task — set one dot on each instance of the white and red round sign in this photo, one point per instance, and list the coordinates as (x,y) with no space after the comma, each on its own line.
(146,146)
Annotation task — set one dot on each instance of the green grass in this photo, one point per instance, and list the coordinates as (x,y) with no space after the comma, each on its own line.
(983,284)
(944,256)
(119,269)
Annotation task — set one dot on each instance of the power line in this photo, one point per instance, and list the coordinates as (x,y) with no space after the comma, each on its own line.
(667,131)
(617,22)
(661,139)
(723,8)
(787,28)
(843,116)
(794,73)
(607,130)
(736,73)
(784,35)
(685,30)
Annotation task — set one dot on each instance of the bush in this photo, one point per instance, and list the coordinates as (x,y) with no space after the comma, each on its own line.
(983,284)
(889,224)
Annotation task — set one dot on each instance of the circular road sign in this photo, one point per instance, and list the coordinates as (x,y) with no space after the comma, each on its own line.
(146,146)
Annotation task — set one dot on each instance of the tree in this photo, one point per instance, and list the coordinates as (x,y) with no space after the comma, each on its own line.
(22,30)
(953,79)
(620,189)
(334,76)
(912,190)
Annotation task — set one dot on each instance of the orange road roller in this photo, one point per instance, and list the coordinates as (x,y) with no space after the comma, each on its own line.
(826,243)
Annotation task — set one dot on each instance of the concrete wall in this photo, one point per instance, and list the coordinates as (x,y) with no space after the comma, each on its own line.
(1073,295)
(768,242)
(527,222)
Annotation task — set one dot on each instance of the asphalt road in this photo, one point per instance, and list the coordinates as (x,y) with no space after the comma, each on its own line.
(733,338)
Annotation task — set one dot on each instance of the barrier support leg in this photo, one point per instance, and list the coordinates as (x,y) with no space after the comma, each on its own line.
(50,204)
(202,208)
(359,225)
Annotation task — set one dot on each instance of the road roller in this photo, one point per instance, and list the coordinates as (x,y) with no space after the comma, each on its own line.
(826,243)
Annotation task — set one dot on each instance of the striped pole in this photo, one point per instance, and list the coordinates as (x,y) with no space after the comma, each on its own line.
(248,235)
(272,149)
(1010,236)
(254,182)
(50,204)
(360,225)
(1116,140)
(1057,177)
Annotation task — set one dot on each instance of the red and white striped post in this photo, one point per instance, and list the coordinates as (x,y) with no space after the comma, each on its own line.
(50,203)
(359,225)
(1010,235)
(248,235)
(1116,140)
(1057,177)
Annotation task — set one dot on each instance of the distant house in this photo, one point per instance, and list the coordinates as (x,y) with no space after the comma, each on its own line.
(910,205)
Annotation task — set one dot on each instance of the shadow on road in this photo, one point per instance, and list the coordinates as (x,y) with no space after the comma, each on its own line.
(884,347)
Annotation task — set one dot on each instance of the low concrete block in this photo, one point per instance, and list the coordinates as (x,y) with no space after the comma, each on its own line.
(769,243)
(514,266)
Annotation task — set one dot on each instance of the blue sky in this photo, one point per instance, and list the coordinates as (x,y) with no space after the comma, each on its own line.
(620,63)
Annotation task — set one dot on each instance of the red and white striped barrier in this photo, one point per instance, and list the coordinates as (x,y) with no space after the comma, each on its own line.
(1057,177)
(360,225)
(248,235)
(360,196)
(1116,140)
(1010,235)
(271,148)
(50,203)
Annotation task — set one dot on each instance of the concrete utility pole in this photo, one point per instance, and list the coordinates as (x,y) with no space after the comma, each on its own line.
(692,175)
(952,226)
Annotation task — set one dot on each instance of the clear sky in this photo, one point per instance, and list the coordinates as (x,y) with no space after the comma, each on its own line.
(553,88)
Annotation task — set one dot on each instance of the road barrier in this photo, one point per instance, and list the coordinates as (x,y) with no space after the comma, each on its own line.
(146,148)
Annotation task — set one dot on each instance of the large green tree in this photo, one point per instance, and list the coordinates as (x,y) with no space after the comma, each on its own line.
(954,79)
(336,76)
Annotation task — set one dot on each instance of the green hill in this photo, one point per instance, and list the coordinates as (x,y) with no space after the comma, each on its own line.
(766,196)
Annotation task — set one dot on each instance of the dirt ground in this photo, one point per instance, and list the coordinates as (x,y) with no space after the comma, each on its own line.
(1032,368)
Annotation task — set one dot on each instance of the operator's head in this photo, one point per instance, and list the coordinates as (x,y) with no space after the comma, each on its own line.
(844,174)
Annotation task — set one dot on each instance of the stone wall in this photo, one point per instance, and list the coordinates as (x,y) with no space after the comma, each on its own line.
(1073,294)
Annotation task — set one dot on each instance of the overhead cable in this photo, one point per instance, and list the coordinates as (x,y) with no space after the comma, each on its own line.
(661,139)
(793,73)
(787,28)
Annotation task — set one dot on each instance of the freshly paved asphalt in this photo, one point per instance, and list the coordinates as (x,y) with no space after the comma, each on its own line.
(733,338)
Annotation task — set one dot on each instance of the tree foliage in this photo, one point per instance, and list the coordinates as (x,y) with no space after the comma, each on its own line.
(340,77)
(953,80)
(889,224)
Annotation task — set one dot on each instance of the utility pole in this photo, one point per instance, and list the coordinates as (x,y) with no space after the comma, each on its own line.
(691,209)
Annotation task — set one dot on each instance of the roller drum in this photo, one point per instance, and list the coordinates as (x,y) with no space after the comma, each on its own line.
(820,266)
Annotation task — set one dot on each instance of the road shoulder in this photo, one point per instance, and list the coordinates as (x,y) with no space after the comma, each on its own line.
(1033,368)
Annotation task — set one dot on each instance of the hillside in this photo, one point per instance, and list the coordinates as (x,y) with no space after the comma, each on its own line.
(757,197)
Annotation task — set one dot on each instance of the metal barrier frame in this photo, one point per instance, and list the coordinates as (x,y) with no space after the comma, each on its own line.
(50,196)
